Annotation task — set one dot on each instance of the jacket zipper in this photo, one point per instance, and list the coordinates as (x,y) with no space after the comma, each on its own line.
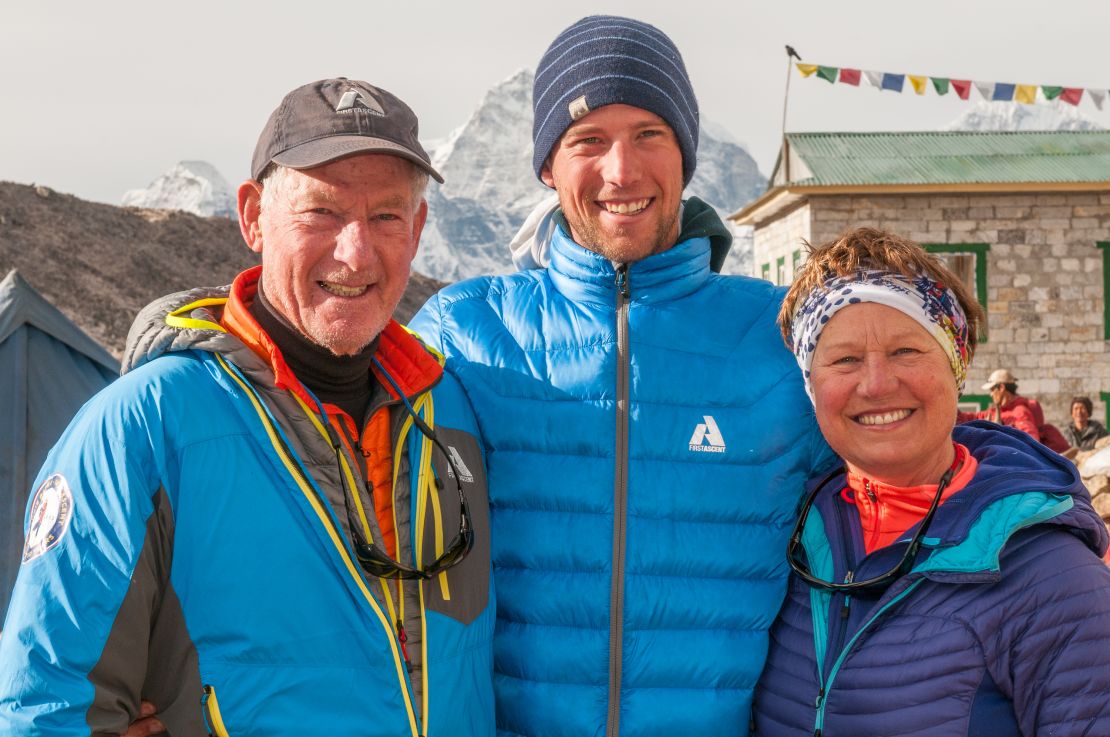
(845,609)
(845,606)
(620,502)
(822,701)
(836,642)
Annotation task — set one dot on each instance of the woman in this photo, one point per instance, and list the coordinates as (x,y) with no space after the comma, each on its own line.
(947,579)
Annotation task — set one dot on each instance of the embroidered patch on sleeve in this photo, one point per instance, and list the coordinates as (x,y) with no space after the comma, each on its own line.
(51,510)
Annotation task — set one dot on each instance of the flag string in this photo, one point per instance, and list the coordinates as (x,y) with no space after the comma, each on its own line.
(1028,94)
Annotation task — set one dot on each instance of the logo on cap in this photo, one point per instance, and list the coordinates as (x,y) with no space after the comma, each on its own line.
(578,107)
(359,100)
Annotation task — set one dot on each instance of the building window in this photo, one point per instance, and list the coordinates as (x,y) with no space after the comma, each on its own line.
(765,272)
(973,402)
(795,264)
(1105,248)
(969,262)
(780,270)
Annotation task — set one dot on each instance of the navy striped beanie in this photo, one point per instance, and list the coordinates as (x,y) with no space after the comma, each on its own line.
(604,60)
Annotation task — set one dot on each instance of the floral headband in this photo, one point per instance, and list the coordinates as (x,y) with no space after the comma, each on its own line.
(933,305)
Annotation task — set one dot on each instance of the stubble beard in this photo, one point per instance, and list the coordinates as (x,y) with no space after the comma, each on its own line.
(617,246)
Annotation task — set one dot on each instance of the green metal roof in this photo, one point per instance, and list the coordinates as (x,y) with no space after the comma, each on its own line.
(957,157)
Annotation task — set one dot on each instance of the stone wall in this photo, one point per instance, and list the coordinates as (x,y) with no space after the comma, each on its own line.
(1044,276)
(779,239)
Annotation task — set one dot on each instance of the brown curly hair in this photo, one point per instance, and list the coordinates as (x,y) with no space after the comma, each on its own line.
(871,248)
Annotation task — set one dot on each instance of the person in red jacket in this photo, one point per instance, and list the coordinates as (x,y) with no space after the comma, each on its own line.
(1007,408)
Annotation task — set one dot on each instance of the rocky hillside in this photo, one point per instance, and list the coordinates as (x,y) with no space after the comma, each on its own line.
(100,264)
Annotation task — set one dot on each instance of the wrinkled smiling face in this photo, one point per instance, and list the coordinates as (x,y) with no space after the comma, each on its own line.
(337,242)
(885,395)
(618,173)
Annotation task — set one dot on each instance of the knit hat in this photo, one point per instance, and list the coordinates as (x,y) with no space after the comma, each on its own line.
(604,60)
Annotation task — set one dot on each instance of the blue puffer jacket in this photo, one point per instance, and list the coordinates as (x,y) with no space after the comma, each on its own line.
(189,545)
(648,439)
(1002,628)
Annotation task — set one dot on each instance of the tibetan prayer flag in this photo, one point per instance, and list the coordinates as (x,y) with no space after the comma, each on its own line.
(1026,93)
(1003,91)
(940,84)
(893,82)
(1051,93)
(962,87)
(875,79)
(986,89)
(827,73)
(918,83)
(849,76)
(806,69)
(1097,97)
(1072,95)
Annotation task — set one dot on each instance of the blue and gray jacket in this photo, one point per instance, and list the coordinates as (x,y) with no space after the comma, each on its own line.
(648,439)
(188,545)
(1002,628)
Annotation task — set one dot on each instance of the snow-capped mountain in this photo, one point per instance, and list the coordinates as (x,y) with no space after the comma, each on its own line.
(490,186)
(1014,116)
(192,186)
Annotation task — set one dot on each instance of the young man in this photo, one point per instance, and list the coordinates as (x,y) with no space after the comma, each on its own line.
(646,431)
(263,528)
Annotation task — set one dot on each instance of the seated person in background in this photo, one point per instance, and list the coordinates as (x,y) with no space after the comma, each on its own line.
(1008,408)
(1082,432)
(946,581)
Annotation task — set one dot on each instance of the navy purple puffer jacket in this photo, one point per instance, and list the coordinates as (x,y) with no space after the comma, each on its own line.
(1001,628)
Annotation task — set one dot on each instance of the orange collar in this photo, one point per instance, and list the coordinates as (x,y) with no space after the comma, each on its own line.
(402,356)
(885,511)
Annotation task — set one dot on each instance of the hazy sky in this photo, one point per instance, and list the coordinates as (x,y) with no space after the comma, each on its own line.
(99,98)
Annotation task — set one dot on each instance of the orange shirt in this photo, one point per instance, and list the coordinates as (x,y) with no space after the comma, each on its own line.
(886,511)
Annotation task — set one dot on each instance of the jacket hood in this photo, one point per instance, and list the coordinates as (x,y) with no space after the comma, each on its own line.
(1022,479)
(531,246)
(188,320)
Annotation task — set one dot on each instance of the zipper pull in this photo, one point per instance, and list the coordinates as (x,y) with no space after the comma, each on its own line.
(622,281)
(870,492)
(847,605)
(403,637)
(817,703)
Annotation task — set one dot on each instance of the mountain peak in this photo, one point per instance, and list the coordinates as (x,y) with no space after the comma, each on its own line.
(191,186)
(989,115)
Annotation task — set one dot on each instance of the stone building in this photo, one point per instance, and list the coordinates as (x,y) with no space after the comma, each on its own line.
(1022,217)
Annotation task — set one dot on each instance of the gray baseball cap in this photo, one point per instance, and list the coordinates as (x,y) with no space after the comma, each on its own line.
(332,118)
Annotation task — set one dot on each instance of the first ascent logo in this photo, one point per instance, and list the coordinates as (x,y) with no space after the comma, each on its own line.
(51,510)
(707,437)
(359,100)
(464,472)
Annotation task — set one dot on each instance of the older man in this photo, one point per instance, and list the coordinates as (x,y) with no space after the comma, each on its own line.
(261,528)
(647,433)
